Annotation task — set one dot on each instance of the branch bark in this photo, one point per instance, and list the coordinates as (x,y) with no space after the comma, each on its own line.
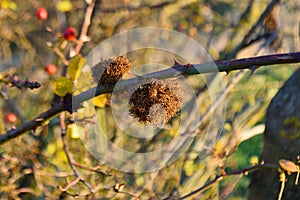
(281,141)
(221,177)
(177,69)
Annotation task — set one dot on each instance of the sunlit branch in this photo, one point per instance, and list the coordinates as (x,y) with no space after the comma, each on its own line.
(177,69)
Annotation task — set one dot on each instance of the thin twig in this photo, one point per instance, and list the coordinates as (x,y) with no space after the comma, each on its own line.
(93,169)
(24,190)
(220,98)
(249,37)
(225,175)
(61,55)
(70,184)
(129,194)
(118,188)
(70,160)
(87,21)
(246,42)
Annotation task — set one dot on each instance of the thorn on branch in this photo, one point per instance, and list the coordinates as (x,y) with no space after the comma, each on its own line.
(176,63)
(253,69)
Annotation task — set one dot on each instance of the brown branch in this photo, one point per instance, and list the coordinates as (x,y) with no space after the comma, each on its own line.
(93,169)
(33,124)
(249,37)
(87,21)
(70,184)
(24,190)
(177,69)
(191,69)
(130,194)
(70,160)
(61,55)
(225,175)
(118,188)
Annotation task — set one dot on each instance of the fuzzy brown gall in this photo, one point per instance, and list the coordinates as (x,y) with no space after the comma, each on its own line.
(156,102)
(111,70)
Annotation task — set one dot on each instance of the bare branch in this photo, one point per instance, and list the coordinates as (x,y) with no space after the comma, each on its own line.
(177,69)
(249,37)
(33,124)
(192,69)
(87,21)
(70,160)
(225,175)
(93,169)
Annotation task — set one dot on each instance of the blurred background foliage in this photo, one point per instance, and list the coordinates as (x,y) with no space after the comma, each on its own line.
(34,166)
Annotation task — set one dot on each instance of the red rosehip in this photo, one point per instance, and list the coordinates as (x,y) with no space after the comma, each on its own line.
(70,33)
(42,13)
(10,118)
(51,69)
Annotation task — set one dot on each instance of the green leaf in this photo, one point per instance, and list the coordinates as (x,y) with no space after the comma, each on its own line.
(64,6)
(75,66)
(62,86)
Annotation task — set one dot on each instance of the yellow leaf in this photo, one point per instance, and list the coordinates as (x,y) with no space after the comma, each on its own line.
(254,160)
(100,101)
(189,167)
(74,131)
(64,5)
(62,86)
(51,148)
(9,4)
(227,127)
(75,65)
(288,166)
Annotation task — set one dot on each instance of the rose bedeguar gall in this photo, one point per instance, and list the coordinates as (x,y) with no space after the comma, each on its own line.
(111,70)
(156,101)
